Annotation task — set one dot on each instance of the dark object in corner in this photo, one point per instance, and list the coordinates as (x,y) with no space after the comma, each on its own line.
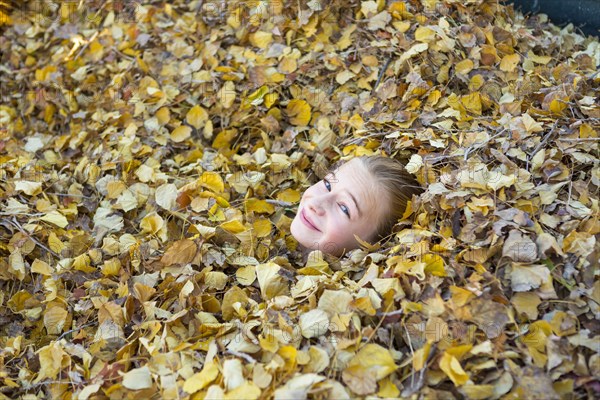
(584,14)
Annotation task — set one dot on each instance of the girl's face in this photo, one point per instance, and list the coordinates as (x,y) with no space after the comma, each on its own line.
(341,205)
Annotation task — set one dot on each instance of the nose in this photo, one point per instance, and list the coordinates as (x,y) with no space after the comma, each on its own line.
(316,206)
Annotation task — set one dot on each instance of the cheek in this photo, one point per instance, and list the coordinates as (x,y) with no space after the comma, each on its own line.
(338,228)
(306,195)
(311,190)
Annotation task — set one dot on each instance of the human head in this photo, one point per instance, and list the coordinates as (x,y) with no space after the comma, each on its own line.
(364,196)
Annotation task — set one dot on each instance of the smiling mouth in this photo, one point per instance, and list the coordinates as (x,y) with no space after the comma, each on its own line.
(307,222)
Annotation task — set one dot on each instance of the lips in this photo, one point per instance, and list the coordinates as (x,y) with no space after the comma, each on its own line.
(307,221)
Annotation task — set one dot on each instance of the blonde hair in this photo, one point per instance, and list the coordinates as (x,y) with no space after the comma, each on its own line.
(400,186)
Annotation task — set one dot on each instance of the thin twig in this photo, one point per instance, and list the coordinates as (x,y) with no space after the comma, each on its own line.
(385,66)
(4,214)
(242,355)
(479,145)
(87,43)
(389,314)
(75,330)
(70,195)
(592,139)
(20,228)
(279,203)
(543,142)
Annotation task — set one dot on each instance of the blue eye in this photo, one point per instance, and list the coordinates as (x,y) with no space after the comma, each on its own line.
(327,185)
(345,210)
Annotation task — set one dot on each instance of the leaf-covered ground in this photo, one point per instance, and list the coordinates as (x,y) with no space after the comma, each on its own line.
(151,156)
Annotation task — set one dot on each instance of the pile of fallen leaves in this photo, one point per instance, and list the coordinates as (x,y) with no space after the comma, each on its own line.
(152,154)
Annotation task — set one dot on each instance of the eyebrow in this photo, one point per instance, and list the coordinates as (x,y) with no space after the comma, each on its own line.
(350,194)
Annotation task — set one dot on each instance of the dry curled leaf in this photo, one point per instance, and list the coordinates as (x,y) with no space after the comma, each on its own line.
(153,154)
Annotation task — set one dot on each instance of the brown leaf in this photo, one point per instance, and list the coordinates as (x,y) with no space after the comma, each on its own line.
(180,252)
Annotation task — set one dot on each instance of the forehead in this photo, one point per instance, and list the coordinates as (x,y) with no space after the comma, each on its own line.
(354,176)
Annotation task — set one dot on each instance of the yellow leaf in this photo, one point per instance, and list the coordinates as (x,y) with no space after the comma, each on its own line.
(413,268)
(464,67)
(44,73)
(509,62)
(262,227)
(315,265)
(111,267)
(212,181)
(138,378)
(289,195)
(587,131)
(215,280)
(344,76)
(181,133)
(199,204)
(55,218)
(433,97)
(247,390)
(204,231)
(313,323)
(472,102)
(233,226)
(460,296)
(434,264)
(299,112)
(536,339)
(530,124)
(452,368)
(257,97)
(420,356)
(538,59)
(288,65)
(478,392)
(364,304)
(29,188)
(424,34)
(270,99)
(151,223)
(260,39)
(82,263)
(227,94)
(5,19)
(166,196)
(387,389)
(222,202)
(413,51)
(526,303)
(356,121)
(54,320)
(557,106)
(51,361)
(246,275)
(54,243)
(374,358)
(259,206)
(197,117)
(89,390)
(163,115)
(115,188)
(459,351)
(346,38)
(41,267)
(200,380)
(476,82)
(216,214)
(270,281)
